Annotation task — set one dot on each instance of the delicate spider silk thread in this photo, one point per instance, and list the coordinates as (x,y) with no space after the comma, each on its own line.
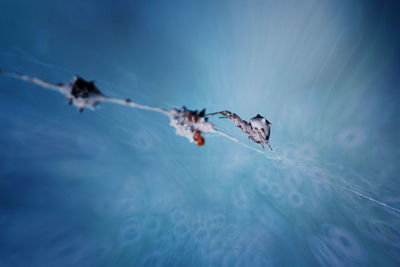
(275,156)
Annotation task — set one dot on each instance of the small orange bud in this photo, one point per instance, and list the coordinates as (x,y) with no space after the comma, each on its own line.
(198,138)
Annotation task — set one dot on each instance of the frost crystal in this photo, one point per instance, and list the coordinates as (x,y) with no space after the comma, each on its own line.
(190,124)
(83,94)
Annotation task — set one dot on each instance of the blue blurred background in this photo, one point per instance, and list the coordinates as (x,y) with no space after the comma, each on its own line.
(117,187)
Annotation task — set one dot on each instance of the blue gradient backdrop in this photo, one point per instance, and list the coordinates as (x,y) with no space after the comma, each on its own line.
(117,187)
